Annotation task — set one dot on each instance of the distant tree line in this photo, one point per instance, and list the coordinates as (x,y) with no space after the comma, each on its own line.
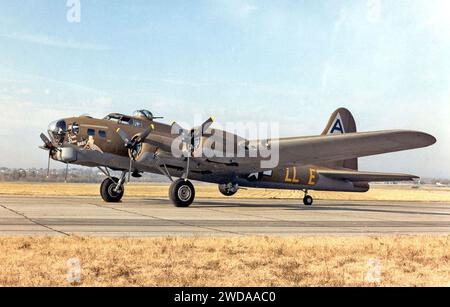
(93,175)
(75,175)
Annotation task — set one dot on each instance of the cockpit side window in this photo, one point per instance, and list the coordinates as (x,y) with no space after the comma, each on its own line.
(126,121)
(113,118)
(120,119)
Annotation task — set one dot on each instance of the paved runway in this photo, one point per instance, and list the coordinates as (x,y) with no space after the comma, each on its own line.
(217,217)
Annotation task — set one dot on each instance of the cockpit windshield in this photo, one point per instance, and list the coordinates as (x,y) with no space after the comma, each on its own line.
(120,119)
(132,120)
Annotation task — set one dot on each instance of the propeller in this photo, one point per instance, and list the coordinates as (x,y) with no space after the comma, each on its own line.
(132,144)
(189,138)
(66,173)
(48,145)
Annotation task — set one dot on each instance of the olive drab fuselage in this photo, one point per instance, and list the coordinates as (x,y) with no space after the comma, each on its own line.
(137,144)
(101,135)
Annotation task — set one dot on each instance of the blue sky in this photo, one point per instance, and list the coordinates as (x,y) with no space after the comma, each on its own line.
(288,61)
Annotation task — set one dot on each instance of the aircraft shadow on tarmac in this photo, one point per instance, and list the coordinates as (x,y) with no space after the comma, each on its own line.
(211,204)
(333,207)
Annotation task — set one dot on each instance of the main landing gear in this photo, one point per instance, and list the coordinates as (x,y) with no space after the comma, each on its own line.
(112,189)
(182,193)
(308,200)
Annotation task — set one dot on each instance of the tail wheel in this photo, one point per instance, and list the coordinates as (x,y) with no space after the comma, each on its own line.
(182,193)
(308,200)
(108,190)
(226,190)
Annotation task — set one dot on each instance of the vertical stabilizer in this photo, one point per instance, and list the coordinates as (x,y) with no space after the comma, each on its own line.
(341,121)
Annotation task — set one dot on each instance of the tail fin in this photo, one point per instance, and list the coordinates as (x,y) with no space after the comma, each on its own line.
(341,121)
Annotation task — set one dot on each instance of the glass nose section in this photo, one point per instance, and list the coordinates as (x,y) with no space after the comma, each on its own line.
(57,130)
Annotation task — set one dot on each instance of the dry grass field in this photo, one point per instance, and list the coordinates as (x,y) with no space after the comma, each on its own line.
(262,261)
(377,192)
(253,261)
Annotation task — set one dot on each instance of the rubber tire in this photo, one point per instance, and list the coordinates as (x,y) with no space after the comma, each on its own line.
(174,193)
(106,188)
(308,201)
(223,190)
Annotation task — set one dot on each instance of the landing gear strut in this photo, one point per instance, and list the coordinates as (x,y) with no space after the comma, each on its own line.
(182,193)
(308,200)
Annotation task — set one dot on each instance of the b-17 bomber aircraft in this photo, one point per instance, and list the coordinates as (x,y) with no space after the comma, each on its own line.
(139,143)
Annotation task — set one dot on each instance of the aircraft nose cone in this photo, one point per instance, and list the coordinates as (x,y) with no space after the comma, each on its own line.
(57,130)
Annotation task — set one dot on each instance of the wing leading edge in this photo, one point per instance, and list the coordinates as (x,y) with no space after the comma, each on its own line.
(312,150)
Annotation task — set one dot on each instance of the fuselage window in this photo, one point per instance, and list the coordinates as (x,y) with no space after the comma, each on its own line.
(102,134)
(75,128)
(137,124)
(91,132)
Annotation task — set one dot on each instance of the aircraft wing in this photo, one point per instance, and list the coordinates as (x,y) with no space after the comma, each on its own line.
(356,176)
(319,149)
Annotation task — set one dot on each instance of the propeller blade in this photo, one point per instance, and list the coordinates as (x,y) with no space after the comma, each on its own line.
(48,164)
(123,135)
(141,137)
(45,139)
(197,134)
(67,172)
(176,128)
(47,142)
(207,124)
(129,170)
(189,137)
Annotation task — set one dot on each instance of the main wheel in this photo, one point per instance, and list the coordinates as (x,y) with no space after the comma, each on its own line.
(225,190)
(108,190)
(308,200)
(182,193)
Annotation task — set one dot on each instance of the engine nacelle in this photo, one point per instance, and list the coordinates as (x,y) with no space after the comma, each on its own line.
(66,155)
(146,153)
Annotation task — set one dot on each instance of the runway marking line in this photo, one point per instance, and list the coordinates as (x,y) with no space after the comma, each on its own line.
(34,222)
